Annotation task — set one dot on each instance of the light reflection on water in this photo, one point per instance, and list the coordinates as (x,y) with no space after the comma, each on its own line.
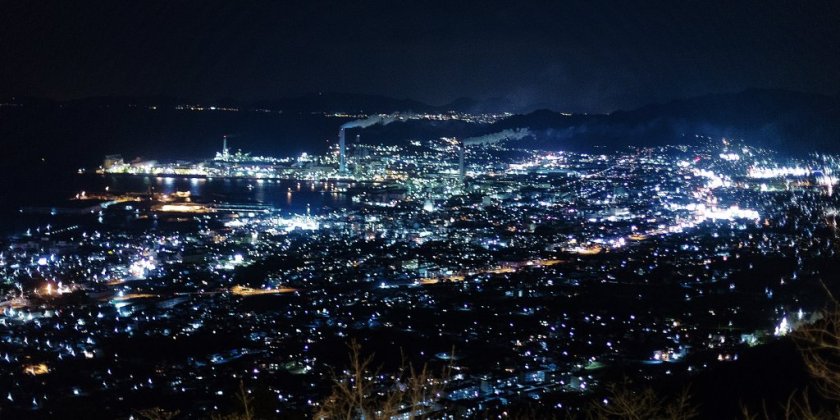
(292,196)
(283,195)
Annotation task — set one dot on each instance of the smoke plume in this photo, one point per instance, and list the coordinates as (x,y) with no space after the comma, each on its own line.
(509,134)
(369,121)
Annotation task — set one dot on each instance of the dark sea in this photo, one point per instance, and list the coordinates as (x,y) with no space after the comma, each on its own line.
(42,190)
(42,149)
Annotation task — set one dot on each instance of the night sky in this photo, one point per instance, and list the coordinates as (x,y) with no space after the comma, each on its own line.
(568,55)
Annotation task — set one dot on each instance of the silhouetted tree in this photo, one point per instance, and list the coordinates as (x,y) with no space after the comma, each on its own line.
(363,392)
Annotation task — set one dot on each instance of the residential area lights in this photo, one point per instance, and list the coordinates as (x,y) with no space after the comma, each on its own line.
(628,247)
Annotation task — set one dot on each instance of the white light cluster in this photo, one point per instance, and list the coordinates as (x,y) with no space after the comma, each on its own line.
(715,181)
(731,213)
(704,212)
(298,222)
(761,173)
(730,156)
(784,328)
(139,268)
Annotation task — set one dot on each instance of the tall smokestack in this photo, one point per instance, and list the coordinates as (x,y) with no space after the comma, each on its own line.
(342,159)
(461,170)
(367,122)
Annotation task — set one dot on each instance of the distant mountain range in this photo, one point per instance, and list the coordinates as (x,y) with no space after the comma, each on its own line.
(332,102)
(783,120)
(790,122)
(353,103)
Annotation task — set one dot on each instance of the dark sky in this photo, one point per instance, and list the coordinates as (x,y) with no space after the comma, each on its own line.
(571,55)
